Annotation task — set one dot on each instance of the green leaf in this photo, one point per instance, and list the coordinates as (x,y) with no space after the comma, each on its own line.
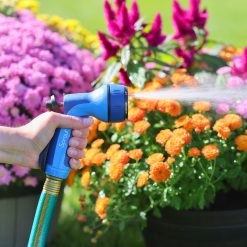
(125,55)
(111,72)
(213,62)
(137,74)
(121,226)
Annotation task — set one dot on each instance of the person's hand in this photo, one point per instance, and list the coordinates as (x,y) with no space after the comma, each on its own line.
(38,133)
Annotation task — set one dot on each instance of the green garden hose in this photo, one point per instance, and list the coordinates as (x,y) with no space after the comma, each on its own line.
(44,212)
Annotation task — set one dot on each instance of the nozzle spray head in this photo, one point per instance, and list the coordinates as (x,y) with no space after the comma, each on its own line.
(108,103)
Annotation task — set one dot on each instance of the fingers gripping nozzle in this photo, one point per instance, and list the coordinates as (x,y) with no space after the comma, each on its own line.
(108,103)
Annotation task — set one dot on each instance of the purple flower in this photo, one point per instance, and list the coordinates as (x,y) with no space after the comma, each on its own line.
(5,176)
(30,181)
(155,36)
(20,171)
(124,77)
(110,48)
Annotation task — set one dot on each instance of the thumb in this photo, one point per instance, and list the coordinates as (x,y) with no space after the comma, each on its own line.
(71,122)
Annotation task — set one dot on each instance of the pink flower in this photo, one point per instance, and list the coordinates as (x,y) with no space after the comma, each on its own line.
(224,70)
(109,47)
(155,36)
(134,13)
(235,81)
(20,171)
(30,181)
(124,77)
(240,65)
(222,108)
(5,176)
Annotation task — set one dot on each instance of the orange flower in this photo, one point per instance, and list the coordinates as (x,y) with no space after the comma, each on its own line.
(151,86)
(99,159)
(210,151)
(154,158)
(170,160)
(183,134)
(241,142)
(103,126)
(119,126)
(120,156)
(142,179)
(174,145)
(135,114)
(194,152)
(185,122)
(135,154)
(222,128)
(101,205)
(81,218)
(111,150)
(163,136)
(180,77)
(147,105)
(71,177)
(116,171)
(202,106)
(159,172)
(163,80)
(140,127)
(89,155)
(200,123)
(93,130)
(85,177)
(234,121)
(97,143)
(172,107)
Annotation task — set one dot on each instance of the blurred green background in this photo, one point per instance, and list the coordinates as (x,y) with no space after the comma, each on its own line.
(227,23)
(227,18)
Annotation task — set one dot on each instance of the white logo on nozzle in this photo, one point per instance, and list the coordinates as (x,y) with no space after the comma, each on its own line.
(65,139)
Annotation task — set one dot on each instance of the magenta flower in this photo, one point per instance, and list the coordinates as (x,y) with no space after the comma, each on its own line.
(240,65)
(134,13)
(5,176)
(20,171)
(155,36)
(222,108)
(30,181)
(124,77)
(110,48)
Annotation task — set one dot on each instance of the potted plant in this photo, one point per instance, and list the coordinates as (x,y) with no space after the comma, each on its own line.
(184,163)
(37,60)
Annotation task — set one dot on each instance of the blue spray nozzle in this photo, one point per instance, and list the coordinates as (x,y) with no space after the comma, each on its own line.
(108,103)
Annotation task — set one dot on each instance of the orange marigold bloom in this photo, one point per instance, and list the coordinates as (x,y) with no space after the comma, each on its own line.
(194,152)
(151,86)
(103,126)
(172,107)
(140,127)
(202,106)
(71,178)
(119,126)
(210,151)
(163,136)
(170,160)
(120,156)
(101,205)
(135,114)
(99,159)
(142,179)
(85,177)
(234,121)
(184,134)
(159,172)
(97,143)
(147,105)
(154,158)
(89,155)
(200,123)
(222,128)
(180,77)
(163,80)
(93,130)
(135,154)
(185,122)
(241,142)
(174,145)
(111,150)
(116,171)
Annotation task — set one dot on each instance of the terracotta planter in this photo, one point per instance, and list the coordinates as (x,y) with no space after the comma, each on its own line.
(16,217)
(221,226)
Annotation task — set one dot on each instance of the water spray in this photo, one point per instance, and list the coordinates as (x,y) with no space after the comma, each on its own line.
(109,103)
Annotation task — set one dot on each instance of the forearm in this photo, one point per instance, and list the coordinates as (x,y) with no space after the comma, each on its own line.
(12,145)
